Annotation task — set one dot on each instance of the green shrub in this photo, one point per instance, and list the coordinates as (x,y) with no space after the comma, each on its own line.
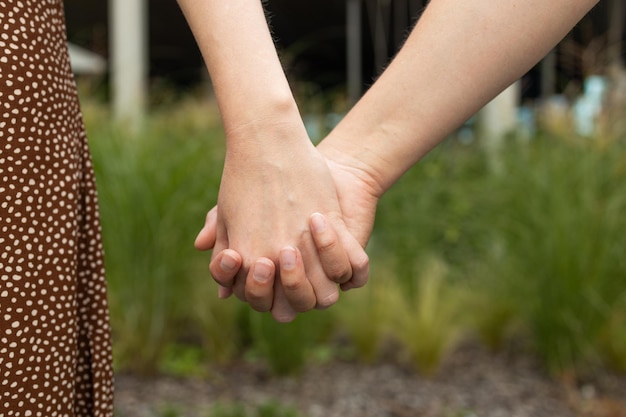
(434,208)
(275,409)
(613,337)
(270,408)
(493,316)
(288,347)
(561,220)
(539,243)
(427,322)
(228,410)
(184,361)
(363,314)
(216,322)
(154,190)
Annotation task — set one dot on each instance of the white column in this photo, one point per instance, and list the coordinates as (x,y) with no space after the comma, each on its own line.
(129,57)
(497,119)
(499,116)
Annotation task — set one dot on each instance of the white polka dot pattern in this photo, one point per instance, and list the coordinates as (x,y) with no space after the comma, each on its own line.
(55,352)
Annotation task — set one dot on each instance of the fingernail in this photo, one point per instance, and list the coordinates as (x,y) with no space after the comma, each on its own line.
(262,272)
(227,263)
(288,259)
(319,223)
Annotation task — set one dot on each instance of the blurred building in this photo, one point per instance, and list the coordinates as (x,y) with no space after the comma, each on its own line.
(312,39)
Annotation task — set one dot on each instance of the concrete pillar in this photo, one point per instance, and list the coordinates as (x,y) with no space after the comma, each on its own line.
(129,59)
(499,116)
(497,119)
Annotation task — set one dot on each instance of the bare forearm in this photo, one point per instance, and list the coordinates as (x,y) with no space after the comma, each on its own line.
(236,44)
(460,55)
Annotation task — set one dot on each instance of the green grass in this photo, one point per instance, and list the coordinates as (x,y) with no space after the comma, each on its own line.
(560,218)
(613,338)
(364,315)
(270,408)
(427,321)
(154,190)
(534,250)
(286,347)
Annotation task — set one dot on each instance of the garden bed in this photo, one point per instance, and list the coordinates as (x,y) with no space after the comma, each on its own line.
(472,382)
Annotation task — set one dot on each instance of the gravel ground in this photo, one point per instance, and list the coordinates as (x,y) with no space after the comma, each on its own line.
(472,383)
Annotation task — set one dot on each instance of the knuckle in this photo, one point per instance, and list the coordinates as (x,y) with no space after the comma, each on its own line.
(340,273)
(239,293)
(222,277)
(304,306)
(359,283)
(261,308)
(294,285)
(362,263)
(255,293)
(258,302)
(327,245)
(223,281)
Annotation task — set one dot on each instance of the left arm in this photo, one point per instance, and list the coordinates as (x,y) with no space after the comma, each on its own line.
(273,178)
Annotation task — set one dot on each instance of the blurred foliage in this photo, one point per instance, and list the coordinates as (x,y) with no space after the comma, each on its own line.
(228,410)
(427,321)
(559,213)
(364,314)
(534,250)
(270,408)
(613,339)
(287,346)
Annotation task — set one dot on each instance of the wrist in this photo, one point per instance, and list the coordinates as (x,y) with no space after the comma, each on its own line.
(354,159)
(272,126)
(250,112)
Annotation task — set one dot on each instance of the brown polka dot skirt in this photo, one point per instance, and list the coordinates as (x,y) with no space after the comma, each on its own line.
(55,351)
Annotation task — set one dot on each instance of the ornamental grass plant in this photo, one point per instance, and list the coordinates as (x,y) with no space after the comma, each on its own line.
(428,321)
(155,186)
(559,213)
(534,250)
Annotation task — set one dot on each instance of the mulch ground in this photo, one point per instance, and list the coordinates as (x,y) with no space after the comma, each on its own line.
(472,383)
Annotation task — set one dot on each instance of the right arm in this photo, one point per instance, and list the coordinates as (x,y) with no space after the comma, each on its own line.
(459,56)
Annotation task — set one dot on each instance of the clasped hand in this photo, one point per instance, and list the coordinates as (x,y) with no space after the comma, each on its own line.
(289,226)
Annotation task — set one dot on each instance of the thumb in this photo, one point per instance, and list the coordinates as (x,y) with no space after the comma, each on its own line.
(206,238)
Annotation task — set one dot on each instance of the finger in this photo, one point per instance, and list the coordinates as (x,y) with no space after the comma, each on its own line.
(224,267)
(326,291)
(281,309)
(223,292)
(358,260)
(259,287)
(227,267)
(206,240)
(239,283)
(206,237)
(297,287)
(332,254)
